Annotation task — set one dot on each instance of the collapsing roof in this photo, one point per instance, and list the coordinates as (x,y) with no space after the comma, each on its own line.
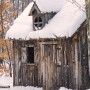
(64,23)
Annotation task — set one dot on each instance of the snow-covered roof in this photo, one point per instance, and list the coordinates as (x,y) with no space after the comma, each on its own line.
(22,25)
(50,5)
(64,23)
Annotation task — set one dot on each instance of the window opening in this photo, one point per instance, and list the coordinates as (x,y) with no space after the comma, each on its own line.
(38,23)
(30,55)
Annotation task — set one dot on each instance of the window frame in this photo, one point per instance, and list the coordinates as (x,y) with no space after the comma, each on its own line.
(38,16)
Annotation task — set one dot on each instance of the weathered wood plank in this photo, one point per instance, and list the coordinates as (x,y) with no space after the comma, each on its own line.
(59,62)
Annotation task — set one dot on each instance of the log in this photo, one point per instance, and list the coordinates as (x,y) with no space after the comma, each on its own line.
(4,86)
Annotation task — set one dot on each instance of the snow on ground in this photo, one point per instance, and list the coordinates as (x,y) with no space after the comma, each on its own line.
(5,81)
(63,88)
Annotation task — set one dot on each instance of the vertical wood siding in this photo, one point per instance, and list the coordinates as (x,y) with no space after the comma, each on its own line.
(62,62)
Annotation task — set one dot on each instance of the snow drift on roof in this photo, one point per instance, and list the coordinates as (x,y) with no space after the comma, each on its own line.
(20,30)
(65,23)
(50,5)
(22,25)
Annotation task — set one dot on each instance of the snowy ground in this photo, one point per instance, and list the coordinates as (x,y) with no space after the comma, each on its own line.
(5,81)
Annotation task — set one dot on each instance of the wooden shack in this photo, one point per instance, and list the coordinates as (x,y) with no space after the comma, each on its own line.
(50,62)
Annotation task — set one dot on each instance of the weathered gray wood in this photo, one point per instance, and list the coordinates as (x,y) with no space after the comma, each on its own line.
(84,60)
(50,72)
(58,62)
(88,29)
(35,7)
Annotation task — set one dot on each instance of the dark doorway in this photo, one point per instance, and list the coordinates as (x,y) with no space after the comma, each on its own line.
(30,55)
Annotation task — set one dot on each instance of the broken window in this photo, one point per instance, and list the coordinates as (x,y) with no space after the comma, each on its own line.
(30,55)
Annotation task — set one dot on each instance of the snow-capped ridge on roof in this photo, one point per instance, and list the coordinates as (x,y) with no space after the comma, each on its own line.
(50,5)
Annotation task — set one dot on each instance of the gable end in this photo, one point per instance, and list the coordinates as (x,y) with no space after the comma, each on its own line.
(35,10)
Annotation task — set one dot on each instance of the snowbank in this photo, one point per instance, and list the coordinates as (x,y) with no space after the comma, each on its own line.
(63,88)
(5,81)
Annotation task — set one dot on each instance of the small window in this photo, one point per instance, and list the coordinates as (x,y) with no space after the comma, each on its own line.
(30,55)
(38,23)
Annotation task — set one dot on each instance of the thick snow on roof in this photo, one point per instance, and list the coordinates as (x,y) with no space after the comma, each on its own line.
(65,23)
(22,25)
(50,5)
